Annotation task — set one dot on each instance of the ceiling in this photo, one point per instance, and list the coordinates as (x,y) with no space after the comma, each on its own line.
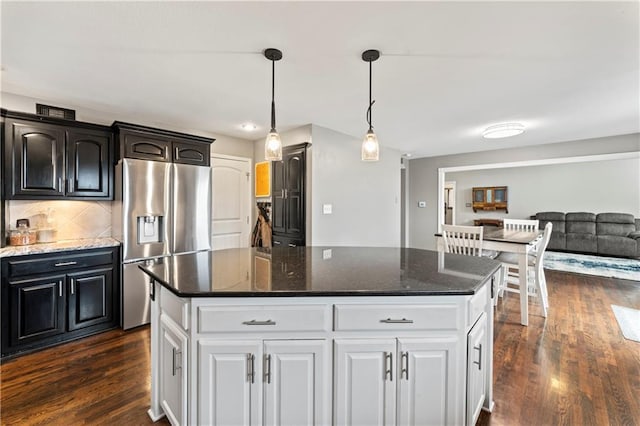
(567,70)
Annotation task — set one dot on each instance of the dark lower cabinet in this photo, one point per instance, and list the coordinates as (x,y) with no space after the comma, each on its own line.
(52,298)
(37,309)
(90,298)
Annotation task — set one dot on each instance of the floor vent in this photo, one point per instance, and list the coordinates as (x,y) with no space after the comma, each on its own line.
(56,112)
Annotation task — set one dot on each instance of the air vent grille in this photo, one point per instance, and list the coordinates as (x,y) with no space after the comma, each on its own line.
(56,112)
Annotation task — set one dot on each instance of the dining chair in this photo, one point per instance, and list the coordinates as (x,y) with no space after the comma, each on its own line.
(465,240)
(525,225)
(535,273)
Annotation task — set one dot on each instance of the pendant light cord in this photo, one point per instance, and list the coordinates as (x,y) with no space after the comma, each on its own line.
(369,119)
(273,103)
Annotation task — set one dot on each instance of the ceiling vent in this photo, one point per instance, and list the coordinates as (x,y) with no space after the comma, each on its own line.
(56,112)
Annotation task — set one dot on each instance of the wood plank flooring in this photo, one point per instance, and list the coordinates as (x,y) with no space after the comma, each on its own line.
(574,368)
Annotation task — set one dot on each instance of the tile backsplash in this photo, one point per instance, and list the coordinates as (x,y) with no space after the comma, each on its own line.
(72,219)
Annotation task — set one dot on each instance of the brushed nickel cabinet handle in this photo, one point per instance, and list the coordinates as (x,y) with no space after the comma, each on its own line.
(388,366)
(256,322)
(292,245)
(251,372)
(60,288)
(174,364)
(267,368)
(65,264)
(73,286)
(60,187)
(479,362)
(277,242)
(397,321)
(70,184)
(405,365)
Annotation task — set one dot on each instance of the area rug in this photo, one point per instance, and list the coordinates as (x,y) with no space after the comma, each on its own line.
(626,269)
(629,322)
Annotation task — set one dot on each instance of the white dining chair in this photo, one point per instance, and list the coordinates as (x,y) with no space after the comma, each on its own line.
(524,225)
(465,240)
(536,280)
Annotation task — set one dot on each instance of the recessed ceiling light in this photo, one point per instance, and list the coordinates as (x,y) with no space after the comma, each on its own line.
(248,127)
(407,154)
(503,130)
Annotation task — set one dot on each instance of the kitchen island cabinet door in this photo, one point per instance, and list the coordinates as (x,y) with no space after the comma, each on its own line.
(426,389)
(365,382)
(173,382)
(229,382)
(90,298)
(296,382)
(477,347)
(37,310)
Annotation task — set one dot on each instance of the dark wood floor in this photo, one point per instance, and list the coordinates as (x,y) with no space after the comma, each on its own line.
(575,368)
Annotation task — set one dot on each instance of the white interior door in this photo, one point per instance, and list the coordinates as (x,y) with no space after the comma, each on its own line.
(231,202)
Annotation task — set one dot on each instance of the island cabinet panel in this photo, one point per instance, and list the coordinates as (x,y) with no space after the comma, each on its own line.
(476,369)
(426,393)
(173,361)
(229,382)
(296,382)
(364,382)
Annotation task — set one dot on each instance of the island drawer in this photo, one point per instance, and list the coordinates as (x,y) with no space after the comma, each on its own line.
(255,318)
(477,305)
(397,317)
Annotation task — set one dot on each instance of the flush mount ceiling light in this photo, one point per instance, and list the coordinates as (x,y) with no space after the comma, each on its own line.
(273,144)
(370,147)
(248,127)
(503,130)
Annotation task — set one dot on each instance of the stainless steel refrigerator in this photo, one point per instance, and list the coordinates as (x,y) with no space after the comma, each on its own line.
(160,209)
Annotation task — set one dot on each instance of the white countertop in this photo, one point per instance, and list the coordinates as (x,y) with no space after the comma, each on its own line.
(65,245)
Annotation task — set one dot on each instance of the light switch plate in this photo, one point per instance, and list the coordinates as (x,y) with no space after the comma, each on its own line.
(327,209)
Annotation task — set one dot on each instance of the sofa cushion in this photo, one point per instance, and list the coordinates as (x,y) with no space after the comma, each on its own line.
(581,223)
(617,246)
(584,243)
(619,224)
(556,218)
(635,235)
(558,240)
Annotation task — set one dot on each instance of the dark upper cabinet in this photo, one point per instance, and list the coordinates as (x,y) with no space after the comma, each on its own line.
(88,163)
(288,196)
(148,143)
(47,158)
(36,157)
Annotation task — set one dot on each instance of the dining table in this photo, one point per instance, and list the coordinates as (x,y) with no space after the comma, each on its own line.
(523,244)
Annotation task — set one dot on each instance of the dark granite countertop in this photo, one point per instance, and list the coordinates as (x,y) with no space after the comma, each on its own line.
(321,271)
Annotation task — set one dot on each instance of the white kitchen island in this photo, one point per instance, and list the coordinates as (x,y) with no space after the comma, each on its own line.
(312,335)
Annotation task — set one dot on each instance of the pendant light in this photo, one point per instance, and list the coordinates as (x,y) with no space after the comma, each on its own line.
(370,147)
(273,144)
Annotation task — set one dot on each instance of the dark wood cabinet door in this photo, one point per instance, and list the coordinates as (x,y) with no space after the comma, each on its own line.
(34,163)
(278,224)
(197,154)
(146,147)
(89,164)
(294,194)
(37,308)
(90,298)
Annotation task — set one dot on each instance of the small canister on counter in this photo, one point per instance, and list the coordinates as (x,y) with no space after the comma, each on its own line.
(23,235)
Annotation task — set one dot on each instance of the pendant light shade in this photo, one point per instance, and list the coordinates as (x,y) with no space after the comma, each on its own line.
(370,147)
(273,144)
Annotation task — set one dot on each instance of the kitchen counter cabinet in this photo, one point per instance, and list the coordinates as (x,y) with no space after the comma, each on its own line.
(51,298)
(323,352)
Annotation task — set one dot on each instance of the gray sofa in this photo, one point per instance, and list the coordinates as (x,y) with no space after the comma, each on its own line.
(607,234)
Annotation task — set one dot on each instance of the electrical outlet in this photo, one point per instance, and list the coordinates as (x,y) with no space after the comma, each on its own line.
(467,205)
(327,209)
(326,254)
(422,204)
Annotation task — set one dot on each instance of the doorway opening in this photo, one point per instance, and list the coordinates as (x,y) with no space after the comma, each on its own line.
(450,203)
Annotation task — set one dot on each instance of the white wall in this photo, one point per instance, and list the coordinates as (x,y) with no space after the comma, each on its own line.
(601,186)
(423,177)
(365,196)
